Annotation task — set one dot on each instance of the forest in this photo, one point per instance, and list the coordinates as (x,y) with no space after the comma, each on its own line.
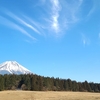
(33,82)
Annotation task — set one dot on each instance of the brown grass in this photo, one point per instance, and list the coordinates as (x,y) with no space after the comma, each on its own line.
(49,95)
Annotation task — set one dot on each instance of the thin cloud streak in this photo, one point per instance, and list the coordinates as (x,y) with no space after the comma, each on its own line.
(95,6)
(56,20)
(23,22)
(24,32)
(12,25)
(36,24)
(73,10)
(99,35)
(85,40)
(91,11)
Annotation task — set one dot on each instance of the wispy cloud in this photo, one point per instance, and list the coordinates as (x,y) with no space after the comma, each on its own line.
(63,14)
(99,35)
(42,1)
(22,22)
(55,15)
(58,16)
(94,6)
(12,25)
(92,9)
(72,11)
(99,38)
(85,40)
(36,24)
(24,32)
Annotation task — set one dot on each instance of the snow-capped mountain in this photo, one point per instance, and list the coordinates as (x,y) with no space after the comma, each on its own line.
(12,67)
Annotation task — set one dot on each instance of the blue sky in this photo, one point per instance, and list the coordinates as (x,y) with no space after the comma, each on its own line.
(59,38)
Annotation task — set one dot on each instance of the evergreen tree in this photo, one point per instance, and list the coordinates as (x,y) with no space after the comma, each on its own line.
(1,83)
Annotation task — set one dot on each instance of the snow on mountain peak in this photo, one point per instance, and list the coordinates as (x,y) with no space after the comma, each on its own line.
(12,67)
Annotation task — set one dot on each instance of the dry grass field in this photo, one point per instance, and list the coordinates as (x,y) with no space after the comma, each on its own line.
(50,95)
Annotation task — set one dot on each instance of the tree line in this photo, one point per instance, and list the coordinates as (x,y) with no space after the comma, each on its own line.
(34,82)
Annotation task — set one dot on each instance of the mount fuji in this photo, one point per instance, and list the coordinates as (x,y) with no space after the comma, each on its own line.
(12,67)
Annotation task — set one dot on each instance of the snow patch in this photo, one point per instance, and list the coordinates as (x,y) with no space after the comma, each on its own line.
(12,67)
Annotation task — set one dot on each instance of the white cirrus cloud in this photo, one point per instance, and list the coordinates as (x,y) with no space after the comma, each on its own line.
(62,14)
(95,6)
(85,40)
(36,24)
(58,17)
(22,22)
(55,15)
(99,35)
(12,25)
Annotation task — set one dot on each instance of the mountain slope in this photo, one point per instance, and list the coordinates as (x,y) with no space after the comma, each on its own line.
(12,67)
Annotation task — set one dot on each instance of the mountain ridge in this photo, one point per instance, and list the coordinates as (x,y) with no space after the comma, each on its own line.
(12,67)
